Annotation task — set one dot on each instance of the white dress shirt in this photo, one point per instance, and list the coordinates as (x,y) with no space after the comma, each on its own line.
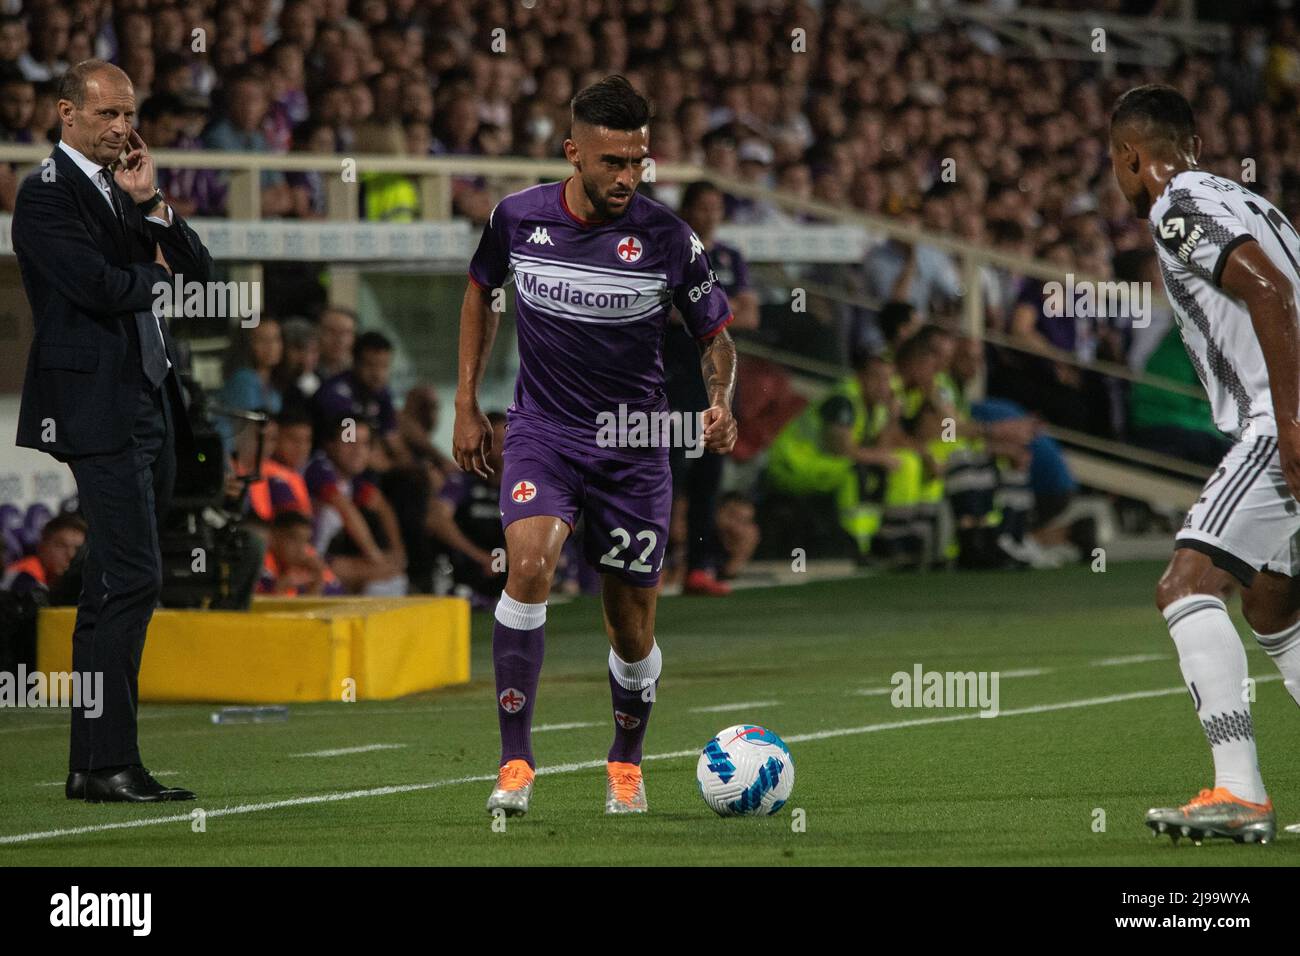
(97,175)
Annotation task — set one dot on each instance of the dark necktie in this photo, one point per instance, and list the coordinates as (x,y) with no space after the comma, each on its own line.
(153,357)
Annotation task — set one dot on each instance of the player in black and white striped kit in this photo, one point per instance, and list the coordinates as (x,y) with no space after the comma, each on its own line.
(1231,267)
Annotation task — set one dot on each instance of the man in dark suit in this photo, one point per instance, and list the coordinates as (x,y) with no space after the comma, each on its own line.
(93,238)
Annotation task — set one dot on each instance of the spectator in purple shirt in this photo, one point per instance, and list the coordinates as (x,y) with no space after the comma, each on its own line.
(362,392)
(192,192)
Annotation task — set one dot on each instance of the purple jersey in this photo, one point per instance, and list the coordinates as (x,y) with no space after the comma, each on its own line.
(343,394)
(593,300)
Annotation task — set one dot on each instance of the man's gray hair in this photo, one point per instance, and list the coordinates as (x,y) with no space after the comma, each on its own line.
(72,85)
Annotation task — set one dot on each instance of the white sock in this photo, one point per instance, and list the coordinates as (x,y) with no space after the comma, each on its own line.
(1213,662)
(637,675)
(1284,648)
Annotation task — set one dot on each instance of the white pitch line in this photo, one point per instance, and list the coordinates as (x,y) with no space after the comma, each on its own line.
(1130,659)
(344,751)
(573,726)
(585,765)
(22,730)
(743,705)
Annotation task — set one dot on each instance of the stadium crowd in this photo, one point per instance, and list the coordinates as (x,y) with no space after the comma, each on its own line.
(828,102)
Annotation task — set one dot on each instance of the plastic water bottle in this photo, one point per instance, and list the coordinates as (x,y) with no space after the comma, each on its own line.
(251,715)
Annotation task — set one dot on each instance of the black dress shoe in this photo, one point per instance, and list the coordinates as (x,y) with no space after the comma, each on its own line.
(130,785)
(75,789)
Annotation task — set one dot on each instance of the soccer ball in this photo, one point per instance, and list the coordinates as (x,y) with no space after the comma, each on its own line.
(745,771)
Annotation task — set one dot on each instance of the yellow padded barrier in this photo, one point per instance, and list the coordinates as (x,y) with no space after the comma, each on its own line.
(290,650)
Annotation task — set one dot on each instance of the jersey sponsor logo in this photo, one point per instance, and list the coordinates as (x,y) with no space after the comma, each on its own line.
(627,721)
(1185,248)
(704,288)
(540,236)
(594,295)
(697,247)
(584,293)
(1172,229)
(512,701)
(522,492)
(629,249)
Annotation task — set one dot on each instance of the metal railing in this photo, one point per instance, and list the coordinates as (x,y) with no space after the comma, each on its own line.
(435,175)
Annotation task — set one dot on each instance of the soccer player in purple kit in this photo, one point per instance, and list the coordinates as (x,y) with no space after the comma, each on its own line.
(597,271)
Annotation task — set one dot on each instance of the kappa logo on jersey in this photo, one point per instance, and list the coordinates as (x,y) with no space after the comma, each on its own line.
(627,721)
(522,492)
(697,247)
(512,701)
(629,249)
(541,237)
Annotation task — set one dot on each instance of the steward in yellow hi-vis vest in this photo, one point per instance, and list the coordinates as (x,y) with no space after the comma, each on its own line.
(844,445)
(389,197)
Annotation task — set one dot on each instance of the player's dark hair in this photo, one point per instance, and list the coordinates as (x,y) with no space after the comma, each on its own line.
(170,62)
(692,193)
(292,415)
(893,316)
(1160,112)
(612,103)
(63,522)
(160,105)
(289,520)
(931,334)
(913,348)
(370,342)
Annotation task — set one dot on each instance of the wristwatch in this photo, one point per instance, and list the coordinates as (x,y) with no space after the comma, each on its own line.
(152,201)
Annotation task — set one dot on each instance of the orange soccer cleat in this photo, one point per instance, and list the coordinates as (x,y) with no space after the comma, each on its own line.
(1216,813)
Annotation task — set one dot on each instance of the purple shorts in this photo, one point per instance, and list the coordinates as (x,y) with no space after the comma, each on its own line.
(627,505)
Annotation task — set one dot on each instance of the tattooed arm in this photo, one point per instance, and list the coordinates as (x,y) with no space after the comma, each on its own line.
(718,362)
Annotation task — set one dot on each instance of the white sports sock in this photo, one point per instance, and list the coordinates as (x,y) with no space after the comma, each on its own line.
(1284,648)
(1213,662)
(518,615)
(637,675)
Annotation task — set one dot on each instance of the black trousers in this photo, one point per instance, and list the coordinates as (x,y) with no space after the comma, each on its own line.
(123,498)
(697,480)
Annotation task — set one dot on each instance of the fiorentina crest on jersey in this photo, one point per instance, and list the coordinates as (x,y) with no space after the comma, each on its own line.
(627,721)
(629,249)
(523,491)
(512,701)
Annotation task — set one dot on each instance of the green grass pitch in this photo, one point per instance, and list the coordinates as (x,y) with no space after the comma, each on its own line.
(947,788)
